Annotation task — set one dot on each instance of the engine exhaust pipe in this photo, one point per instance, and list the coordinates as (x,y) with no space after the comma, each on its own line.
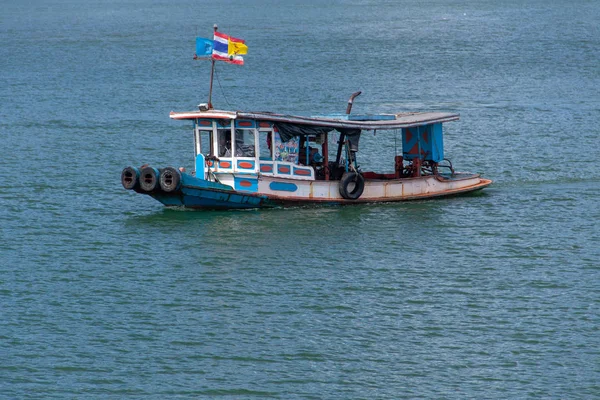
(349,108)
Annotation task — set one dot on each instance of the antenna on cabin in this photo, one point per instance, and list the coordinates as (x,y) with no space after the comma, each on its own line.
(351,100)
(212,74)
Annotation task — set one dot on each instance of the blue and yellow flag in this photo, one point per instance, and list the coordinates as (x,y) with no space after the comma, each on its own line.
(223,47)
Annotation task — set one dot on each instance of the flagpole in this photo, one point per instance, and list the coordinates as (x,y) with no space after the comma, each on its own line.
(212,73)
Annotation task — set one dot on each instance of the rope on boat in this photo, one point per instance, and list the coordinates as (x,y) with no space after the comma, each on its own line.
(210,173)
(222,91)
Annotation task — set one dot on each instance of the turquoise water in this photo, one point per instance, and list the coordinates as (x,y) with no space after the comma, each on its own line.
(106,294)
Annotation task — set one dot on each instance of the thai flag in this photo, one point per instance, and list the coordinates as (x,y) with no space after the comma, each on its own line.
(228,49)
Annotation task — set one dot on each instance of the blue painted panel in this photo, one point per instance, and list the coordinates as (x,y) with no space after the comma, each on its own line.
(233,202)
(200,167)
(246,183)
(223,123)
(225,164)
(209,197)
(192,181)
(377,117)
(410,143)
(359,117)
(193,194)
(424,142)
(283,186)
(437,143)
(204,123)
(213,196)
(266,168)
(170,200)
(246,164)
(302,171)
(245,123)
(284,169)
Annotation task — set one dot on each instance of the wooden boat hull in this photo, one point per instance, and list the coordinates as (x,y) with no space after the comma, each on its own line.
(270,192)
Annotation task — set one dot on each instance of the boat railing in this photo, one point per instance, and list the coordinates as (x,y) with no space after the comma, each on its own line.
(235,164)
(286,169)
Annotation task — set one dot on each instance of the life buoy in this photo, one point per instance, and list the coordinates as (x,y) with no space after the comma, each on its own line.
(130,178)
(170,178)
(351,185)
(149,179)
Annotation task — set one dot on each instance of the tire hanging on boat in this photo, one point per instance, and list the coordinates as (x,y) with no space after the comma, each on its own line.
(352,185)
(130,178)
(149,179)
(170,178)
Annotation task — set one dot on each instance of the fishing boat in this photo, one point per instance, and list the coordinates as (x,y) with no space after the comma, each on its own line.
(265,160)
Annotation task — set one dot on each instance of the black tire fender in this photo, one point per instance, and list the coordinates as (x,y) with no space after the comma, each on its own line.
(149,179)
(355,179)
(170,179)
(130,178)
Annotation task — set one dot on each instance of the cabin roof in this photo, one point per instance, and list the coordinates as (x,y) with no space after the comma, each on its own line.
(352,121)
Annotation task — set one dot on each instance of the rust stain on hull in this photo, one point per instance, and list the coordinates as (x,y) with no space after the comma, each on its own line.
(450,192)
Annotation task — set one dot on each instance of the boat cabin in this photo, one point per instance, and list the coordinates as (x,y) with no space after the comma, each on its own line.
(301,152)
(248,147)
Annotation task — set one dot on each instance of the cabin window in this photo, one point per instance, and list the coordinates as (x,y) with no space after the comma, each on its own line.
(265,145)
(244,143)
(311,150)
(333,140)
(224,142)
(206,143)
(286,151)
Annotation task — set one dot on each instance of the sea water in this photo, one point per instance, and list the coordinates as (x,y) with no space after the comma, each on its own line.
(106,294)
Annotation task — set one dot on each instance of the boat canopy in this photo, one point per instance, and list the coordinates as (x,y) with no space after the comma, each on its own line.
(320,124)
(288,130)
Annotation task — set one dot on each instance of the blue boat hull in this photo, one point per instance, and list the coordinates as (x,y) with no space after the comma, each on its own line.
(202,194)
